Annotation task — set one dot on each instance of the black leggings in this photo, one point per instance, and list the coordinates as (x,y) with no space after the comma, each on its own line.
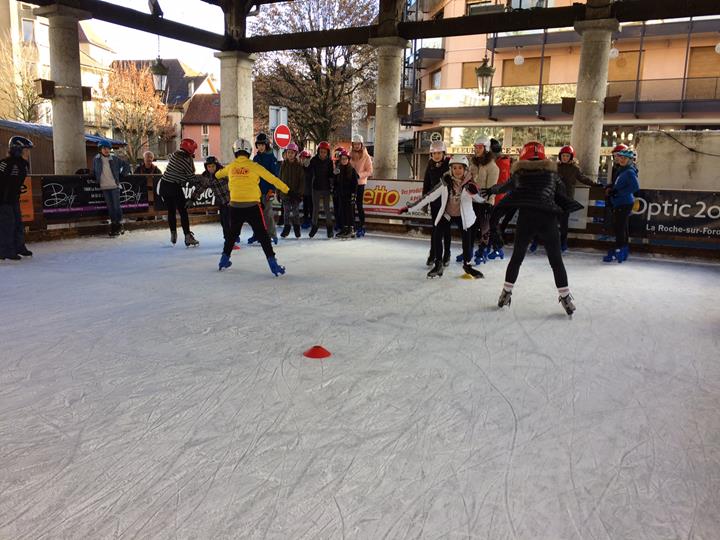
(533,223)
(621,224)
(442,229)
(446,239)
(254,216)
(174,198)
(307,207)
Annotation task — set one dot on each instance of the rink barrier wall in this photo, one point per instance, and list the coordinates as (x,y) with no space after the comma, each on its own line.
(143,210)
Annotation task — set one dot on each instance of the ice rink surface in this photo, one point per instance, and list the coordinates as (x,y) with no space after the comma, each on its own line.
(144,394)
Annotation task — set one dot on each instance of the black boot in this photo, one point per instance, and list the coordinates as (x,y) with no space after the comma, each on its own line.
(25,252)
(329,231)
(313,231)
(296,230)
(285,231)
(437,270)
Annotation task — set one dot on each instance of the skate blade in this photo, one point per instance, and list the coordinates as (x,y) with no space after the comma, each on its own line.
(467,276)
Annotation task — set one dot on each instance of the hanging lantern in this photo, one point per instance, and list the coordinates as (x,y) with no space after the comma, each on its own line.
(159,73)
(519,60)
(717,48)
(614,53)
(484,74)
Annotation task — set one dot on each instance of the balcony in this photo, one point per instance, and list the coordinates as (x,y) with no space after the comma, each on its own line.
(427,52)
(670,96)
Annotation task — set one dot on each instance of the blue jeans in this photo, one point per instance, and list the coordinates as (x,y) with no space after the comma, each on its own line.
(112,198)
(12,231)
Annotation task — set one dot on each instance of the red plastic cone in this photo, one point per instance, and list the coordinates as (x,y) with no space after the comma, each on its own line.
(317,352)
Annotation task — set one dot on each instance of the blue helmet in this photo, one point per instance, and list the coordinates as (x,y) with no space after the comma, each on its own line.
(17,144)
(627,153)
(104,144)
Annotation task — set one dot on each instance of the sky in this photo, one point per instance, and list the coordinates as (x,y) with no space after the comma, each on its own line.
(133,44)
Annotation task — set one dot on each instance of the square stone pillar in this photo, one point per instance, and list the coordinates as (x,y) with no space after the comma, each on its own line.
(236,100)
(67,105)
(592,79)
(390,51)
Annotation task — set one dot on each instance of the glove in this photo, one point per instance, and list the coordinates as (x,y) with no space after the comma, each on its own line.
(189,203)
(472,188)
(486,192)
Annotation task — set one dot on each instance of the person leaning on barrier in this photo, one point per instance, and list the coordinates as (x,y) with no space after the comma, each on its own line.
(13,170)
(108,171)
(147,166)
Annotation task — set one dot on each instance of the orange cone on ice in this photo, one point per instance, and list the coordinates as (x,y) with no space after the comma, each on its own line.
(317,352)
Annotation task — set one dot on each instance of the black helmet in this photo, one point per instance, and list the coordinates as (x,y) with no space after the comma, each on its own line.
(17,143)
(495,146)
(262,139)
(210,160)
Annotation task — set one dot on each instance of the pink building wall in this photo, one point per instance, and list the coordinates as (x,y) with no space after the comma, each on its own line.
(194,132)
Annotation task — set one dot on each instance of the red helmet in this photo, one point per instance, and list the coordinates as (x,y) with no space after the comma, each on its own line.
(305,154)
(324,145)
(567,150)
(532,150)
(189,146)
(619,148)
(341,152)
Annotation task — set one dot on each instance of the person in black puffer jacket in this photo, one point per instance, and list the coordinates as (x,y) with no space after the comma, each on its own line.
(438,165)
(13,170)
(320,175)
(346,183)
(538,195)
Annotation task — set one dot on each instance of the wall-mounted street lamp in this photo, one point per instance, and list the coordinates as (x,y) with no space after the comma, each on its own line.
(484,73)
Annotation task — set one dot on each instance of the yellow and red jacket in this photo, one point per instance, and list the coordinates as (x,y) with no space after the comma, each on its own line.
(244,180)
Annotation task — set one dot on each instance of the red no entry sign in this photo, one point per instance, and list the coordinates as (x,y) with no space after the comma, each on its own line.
(282,136)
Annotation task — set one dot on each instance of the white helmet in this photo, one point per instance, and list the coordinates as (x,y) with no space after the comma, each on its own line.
(459,159)
(242,145)
(437,146)
(358,138)
(483,141)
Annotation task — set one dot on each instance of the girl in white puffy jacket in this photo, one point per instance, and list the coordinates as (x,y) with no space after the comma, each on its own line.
(456,192)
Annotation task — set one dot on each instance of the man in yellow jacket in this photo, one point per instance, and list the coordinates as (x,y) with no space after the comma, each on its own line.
(244,182)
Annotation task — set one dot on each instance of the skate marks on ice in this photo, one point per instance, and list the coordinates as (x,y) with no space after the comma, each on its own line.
(173,402)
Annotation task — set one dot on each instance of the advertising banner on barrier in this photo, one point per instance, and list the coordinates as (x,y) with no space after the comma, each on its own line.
(206,198)
(676,213)
(389,196)
(78,196)
(26,201)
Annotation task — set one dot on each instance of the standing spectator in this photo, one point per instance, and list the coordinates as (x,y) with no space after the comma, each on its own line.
(292,173)
(305,157)
(13,170)
(180,171)
(437,166)
(485,173)
(570,174)
(108,170)
(265,156)
(148,166)
(346,186)
(321,177)
(504,164)
(362,163)
(622,197)
(220,190)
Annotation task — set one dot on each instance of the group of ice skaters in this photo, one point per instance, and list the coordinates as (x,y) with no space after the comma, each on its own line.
(479,195)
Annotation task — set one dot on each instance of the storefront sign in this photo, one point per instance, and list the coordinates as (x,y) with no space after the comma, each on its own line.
(26,201)
(75,196)
(676,213)
(389,196)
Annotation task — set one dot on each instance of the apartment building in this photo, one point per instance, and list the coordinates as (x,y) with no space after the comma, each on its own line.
(663,74)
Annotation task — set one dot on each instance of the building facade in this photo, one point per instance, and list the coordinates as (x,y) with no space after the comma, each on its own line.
(201,123)
(663,74)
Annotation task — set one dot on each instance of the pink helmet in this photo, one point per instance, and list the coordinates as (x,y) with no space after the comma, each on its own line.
(292,146)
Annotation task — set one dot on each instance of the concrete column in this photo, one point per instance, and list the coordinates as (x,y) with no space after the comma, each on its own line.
(591,89)
(236,100)
(67,105)
(390,52)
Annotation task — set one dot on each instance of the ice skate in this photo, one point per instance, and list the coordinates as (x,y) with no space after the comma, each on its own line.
(285,232)
(446,260)
(481,255)
(190,240)
(25,252)
(469,270)
(436,271)
(533,247)
(313,231)
(360,232)
(225,262)
(459,258)
(275,268)
(612,255)
(274,239)
(252,240)
(329,232)
(623,255)
(296,230)
(567,304)
(505,298)
(173,237)
(496,254)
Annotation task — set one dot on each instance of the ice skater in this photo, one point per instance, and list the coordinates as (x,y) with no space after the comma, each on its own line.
(292,173)
(265,157)
(346,184)
(220,190)
(485,173)
(622,198)
(438,165)
(244,178)
(538,195)
(456,192)
(13,170)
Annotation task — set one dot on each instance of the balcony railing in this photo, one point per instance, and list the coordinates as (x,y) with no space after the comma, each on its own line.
(650,90)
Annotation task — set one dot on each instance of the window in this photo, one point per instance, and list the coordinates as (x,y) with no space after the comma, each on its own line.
(527,74)
(704,62)
(191,88)
(484,6)
(205,129)
(527,4)
(624,67)
(28,29)
(436,79)
(205,149)
(469,78)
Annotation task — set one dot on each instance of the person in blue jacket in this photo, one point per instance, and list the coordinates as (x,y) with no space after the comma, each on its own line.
(622,197)
(264,156)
